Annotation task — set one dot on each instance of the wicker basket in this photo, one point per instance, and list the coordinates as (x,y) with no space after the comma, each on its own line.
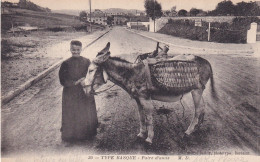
(175,76)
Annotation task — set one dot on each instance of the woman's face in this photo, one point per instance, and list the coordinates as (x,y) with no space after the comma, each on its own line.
(75,50)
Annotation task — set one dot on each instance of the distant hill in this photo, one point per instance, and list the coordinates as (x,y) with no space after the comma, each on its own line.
(110,10)
(68,12)
(120,10)
(26,4)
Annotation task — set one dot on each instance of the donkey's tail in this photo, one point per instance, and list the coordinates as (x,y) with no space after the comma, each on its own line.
(212,84)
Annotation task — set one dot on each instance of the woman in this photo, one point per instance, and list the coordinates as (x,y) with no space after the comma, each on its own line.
(79,116)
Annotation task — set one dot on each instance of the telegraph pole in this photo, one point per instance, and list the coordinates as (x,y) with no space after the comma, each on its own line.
(90,15)
(209,32)
(154,14)
(136,18)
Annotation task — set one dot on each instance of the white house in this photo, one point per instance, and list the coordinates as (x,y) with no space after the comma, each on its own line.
(98,17)
(139,22)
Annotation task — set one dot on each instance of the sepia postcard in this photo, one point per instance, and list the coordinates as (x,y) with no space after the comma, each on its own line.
(139,80)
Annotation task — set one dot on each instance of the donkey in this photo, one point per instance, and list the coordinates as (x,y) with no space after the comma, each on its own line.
(133,79)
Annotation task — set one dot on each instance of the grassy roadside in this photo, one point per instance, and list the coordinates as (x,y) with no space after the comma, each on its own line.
(25,57)
(23,17)
(23,54)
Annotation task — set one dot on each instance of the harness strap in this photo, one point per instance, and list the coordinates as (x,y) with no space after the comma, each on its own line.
(96,93)
(148,74)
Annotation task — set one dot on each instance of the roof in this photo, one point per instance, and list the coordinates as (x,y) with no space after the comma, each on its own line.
(97,15)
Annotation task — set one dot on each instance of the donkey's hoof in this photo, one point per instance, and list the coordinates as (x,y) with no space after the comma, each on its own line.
(148,141)
(187,133)
(141,135)
(185,137)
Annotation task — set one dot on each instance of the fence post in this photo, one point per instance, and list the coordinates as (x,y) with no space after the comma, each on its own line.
(209,32)
(251,33)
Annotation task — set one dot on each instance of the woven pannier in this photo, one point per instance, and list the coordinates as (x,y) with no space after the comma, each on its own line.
(175,75)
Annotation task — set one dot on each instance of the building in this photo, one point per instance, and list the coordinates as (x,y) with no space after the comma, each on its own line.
(139,23)
(97,17)
(114,13)
(173,8)
(140,14)
(120,20)
(139,18)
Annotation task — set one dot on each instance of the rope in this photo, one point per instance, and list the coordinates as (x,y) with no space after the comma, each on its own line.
(105,89)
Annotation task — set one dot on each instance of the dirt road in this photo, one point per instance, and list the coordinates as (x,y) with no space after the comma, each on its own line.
(31,122)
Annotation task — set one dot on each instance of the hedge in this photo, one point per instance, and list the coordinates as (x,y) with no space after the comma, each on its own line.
(235,32)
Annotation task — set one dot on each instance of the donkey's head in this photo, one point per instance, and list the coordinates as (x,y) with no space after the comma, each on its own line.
(96,76)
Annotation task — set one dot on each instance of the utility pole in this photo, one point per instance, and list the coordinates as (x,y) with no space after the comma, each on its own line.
(154,14)
(136,18)
(90,15)
(209,32)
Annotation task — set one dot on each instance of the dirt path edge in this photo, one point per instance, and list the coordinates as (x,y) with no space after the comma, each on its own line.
(12,94)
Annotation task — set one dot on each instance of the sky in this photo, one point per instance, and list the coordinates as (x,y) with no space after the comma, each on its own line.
(126,4)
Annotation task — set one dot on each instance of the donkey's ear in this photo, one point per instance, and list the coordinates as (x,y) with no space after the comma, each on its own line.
(101,58)
(105,50)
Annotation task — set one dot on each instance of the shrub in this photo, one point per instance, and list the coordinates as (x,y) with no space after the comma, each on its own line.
(81,28)
(5,49)
(56,29)
(227,36)
(220,32)
(243,23)
(184,29)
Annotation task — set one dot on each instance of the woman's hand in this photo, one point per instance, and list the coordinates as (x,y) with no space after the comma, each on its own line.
(80,81)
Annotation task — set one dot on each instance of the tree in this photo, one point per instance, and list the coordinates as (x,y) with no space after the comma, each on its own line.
(247,9)
(153,9)
(173,9)
(182,12)
(225,8)
(82,15)
(110,20)
(167,12)
(195,12)
(48,10)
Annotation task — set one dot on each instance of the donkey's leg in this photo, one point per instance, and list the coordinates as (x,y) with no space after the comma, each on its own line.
(148,108)
(142,119)
(199,111)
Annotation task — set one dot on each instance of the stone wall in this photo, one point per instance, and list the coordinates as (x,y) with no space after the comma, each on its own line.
(159,23)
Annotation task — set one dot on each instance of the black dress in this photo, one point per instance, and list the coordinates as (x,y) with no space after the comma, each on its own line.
(79,116)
